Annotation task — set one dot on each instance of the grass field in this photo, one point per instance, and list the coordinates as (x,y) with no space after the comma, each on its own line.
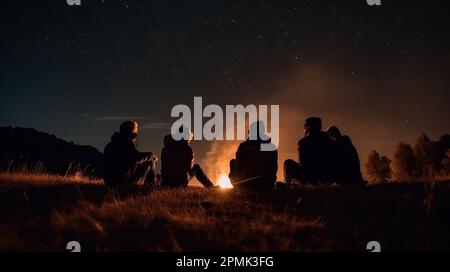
(43,212)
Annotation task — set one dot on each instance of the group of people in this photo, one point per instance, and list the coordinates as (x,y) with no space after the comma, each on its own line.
(323,158)
(125,166)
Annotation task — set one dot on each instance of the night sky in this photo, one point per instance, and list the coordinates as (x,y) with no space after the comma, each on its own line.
(380,73)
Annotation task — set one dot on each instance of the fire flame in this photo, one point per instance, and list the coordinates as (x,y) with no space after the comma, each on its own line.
(224,182)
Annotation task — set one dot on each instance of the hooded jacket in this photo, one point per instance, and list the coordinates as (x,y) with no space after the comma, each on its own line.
(177,161)
(255,168)
(347,162)
(316,156)
(120,159)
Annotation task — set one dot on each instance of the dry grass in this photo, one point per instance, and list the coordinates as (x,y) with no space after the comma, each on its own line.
(43,213)
(186,220)
(167,220)
(39,179)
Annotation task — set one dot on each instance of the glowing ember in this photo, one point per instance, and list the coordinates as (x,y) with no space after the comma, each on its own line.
(224,182)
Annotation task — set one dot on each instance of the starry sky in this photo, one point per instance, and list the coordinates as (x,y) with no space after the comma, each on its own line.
(381,73)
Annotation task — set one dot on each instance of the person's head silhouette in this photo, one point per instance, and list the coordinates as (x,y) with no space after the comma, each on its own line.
(257,131)
(313,125)
(129,129)
(183,134)
(334,133)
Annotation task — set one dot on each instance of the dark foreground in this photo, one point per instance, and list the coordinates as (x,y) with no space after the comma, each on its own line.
(41,215)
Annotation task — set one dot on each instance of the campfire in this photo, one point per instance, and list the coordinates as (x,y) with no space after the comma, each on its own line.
(224,182)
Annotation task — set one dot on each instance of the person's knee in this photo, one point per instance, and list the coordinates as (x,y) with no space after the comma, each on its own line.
(232,163)
(291,171)
(289,164)
(152,165)
(232,166)
(145,165)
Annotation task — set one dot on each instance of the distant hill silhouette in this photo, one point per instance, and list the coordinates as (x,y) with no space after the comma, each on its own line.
(21,147)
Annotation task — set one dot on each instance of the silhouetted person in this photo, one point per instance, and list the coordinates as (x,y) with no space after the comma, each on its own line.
(253,168)
(124,165)
(348,171)
(315,156)
(177,162)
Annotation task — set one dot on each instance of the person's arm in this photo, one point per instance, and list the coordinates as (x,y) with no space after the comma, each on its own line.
(145,157)
(141,157)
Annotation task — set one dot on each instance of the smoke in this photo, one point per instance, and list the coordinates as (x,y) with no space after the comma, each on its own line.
(217,159)
(376,109)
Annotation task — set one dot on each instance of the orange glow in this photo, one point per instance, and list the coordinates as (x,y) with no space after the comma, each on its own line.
(224,182)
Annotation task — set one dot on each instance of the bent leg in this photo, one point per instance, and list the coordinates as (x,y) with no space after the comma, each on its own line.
(292,171)
(201,176)
(144,174)
(151,178)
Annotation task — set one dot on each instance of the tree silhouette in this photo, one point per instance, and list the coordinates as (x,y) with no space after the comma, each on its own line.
(427,157)
(446,164)
(377,168)
(444,144)
(404,163)
(444,156)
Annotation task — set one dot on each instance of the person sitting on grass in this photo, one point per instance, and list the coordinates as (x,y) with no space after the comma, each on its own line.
(177,162)
(316,159)
(254,168)
(348,170)
(124,165)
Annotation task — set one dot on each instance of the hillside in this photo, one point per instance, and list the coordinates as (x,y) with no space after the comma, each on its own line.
(22,148)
